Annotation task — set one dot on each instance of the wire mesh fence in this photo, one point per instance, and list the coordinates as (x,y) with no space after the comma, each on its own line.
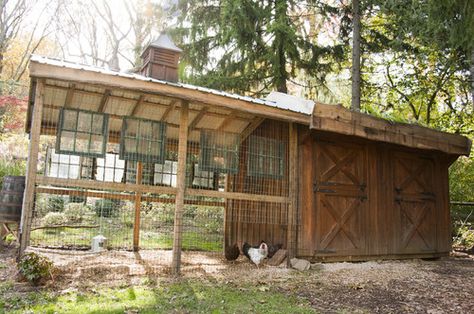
(104,175)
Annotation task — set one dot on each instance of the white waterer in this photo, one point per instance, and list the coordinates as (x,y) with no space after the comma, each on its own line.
(99,243)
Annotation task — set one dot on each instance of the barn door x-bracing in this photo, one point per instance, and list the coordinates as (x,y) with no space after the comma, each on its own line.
(415,203)
(340,189)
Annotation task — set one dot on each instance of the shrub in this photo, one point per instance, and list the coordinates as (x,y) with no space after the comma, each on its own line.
(54,219)
(78,212)
(106,207)
(159,212)
(55,203)
(210,219)
(11,168)
(35,268)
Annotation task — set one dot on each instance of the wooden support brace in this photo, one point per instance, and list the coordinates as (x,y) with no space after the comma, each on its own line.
(293,191)
(138,202)
(180,186)
(31,168)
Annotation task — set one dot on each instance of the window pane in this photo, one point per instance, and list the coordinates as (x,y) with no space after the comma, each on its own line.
(145,129)
(97,124)
(84,122)
(130,145)
(143,147)
(131,127)
(67,141)
(69,119)
(96,144)
(82,143)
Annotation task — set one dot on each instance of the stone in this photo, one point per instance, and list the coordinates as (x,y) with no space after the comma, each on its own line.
(300,264)
(277,258)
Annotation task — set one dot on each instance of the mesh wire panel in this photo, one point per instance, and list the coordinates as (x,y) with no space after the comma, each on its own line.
(236,184)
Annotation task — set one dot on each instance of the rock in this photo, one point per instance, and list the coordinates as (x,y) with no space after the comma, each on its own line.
(317,266)
(277,258)
(300,264)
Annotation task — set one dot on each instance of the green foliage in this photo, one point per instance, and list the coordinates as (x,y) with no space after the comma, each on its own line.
(35,268)
(78,212)
(161,213)
(54,219)
(461,180)
(464,236)
(211,219)
(250,46)
(55,203)
(107,208)
(11,168)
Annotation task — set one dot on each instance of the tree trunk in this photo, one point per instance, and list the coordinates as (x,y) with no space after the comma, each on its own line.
(281,76)
(355,104)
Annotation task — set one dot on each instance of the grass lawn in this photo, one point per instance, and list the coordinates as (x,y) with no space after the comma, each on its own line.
(184,296)
(123,238)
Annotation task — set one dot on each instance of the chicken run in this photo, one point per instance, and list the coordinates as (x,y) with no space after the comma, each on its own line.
(138,162)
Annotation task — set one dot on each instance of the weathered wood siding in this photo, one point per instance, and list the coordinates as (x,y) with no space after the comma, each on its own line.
(252,221)
(361,199)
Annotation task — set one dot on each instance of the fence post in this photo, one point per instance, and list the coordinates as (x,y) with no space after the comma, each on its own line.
(138,203)
(180,186)
(292,191)
(31,168)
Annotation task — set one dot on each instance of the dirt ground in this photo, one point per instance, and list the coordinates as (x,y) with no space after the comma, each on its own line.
(444,285)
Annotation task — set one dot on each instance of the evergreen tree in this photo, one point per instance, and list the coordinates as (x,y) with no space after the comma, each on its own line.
(250,46)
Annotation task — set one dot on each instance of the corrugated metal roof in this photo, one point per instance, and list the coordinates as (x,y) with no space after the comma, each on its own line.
(163,41)
(290,103)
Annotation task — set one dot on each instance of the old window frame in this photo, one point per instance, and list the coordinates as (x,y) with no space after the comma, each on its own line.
(99,133)
(263,152)
(213,145)
(158,139)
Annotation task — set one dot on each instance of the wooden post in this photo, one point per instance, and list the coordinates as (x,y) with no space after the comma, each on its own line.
(293,191)
(31,168)
(138,203)
(180,186)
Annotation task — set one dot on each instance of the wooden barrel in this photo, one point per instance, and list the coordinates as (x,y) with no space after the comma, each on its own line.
(13,183)
(10,206)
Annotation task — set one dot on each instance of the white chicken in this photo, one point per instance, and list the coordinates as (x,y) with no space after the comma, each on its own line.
(255,253)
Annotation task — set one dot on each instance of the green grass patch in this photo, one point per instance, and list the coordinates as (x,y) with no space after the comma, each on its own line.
(184,296)
(122,238)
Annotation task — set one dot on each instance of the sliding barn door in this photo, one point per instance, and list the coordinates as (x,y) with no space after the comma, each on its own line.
(414,203)
(340,189)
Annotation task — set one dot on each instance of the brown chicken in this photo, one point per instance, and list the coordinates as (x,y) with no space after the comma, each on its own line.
(232,252)
(273,248)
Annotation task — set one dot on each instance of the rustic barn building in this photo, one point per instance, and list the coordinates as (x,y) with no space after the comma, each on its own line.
(326,182)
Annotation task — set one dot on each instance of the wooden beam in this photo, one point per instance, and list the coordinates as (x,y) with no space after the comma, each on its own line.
(31,168)
(238,196)
(138,203)
(113,186)
(169,110)
(121,196)
(69,95)
(137,105)
(180,187)
(38,70)
(337,119)
(251,127)
(198,118)
(293,191)
(103,101)
(226,121)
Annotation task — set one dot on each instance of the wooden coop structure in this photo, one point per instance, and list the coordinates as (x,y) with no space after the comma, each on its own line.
(327,183)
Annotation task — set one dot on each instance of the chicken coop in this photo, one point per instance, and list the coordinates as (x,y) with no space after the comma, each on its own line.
(147,162)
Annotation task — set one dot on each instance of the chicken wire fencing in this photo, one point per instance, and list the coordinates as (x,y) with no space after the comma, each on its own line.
(107,183)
